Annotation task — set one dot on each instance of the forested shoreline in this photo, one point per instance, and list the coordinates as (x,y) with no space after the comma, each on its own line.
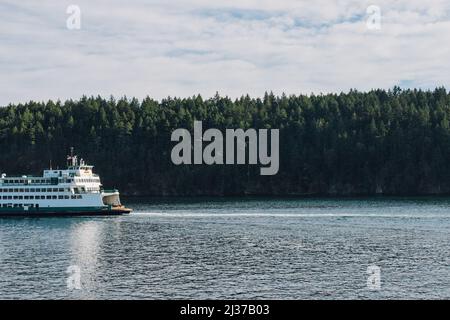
(394,142)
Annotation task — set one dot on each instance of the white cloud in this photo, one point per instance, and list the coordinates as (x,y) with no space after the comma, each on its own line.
(181,48)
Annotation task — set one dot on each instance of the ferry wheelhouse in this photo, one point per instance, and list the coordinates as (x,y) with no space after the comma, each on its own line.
(73,191)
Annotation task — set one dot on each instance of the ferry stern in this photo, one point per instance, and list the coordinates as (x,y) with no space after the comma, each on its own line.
(111,198)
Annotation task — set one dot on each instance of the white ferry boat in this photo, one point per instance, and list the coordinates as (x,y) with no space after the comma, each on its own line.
(73,191)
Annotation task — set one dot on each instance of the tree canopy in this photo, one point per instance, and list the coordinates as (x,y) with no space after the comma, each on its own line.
(360,143)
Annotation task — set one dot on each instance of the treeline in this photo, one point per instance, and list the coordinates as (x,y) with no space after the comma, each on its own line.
(356,143)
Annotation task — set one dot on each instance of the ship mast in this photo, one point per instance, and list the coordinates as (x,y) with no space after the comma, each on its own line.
(71,159)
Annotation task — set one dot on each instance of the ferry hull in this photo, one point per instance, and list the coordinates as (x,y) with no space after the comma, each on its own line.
(63,212)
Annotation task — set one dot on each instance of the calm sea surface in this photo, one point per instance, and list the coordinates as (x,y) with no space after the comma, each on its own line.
(236,249)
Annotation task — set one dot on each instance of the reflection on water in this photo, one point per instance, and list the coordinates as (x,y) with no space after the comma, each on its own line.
(281,249)
(85,238)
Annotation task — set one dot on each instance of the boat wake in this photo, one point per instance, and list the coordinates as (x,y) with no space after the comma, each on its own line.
(288,215)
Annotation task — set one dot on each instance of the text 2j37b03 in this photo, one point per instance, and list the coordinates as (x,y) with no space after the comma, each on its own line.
(246,309)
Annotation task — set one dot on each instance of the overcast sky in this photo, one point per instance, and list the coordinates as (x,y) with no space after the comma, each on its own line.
(181,48)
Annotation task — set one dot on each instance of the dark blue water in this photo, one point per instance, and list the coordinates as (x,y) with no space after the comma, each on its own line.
(252,249)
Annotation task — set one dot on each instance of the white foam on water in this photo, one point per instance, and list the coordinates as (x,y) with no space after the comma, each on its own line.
(288,215)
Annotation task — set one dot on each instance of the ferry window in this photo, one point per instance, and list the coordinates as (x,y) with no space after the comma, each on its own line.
(73,197)
(16,190)
(79,197)
(31,197)
(26,197)
(21,190)
(49,197)
(10,190)
(61,190)
(32,190)
(16,197)
(60,197)
(26,190)
(49,190)
(16,181)
(54,197)
(1,190)
(55,190)
(20,197)
(5,197)
(66,197)
(9,197)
